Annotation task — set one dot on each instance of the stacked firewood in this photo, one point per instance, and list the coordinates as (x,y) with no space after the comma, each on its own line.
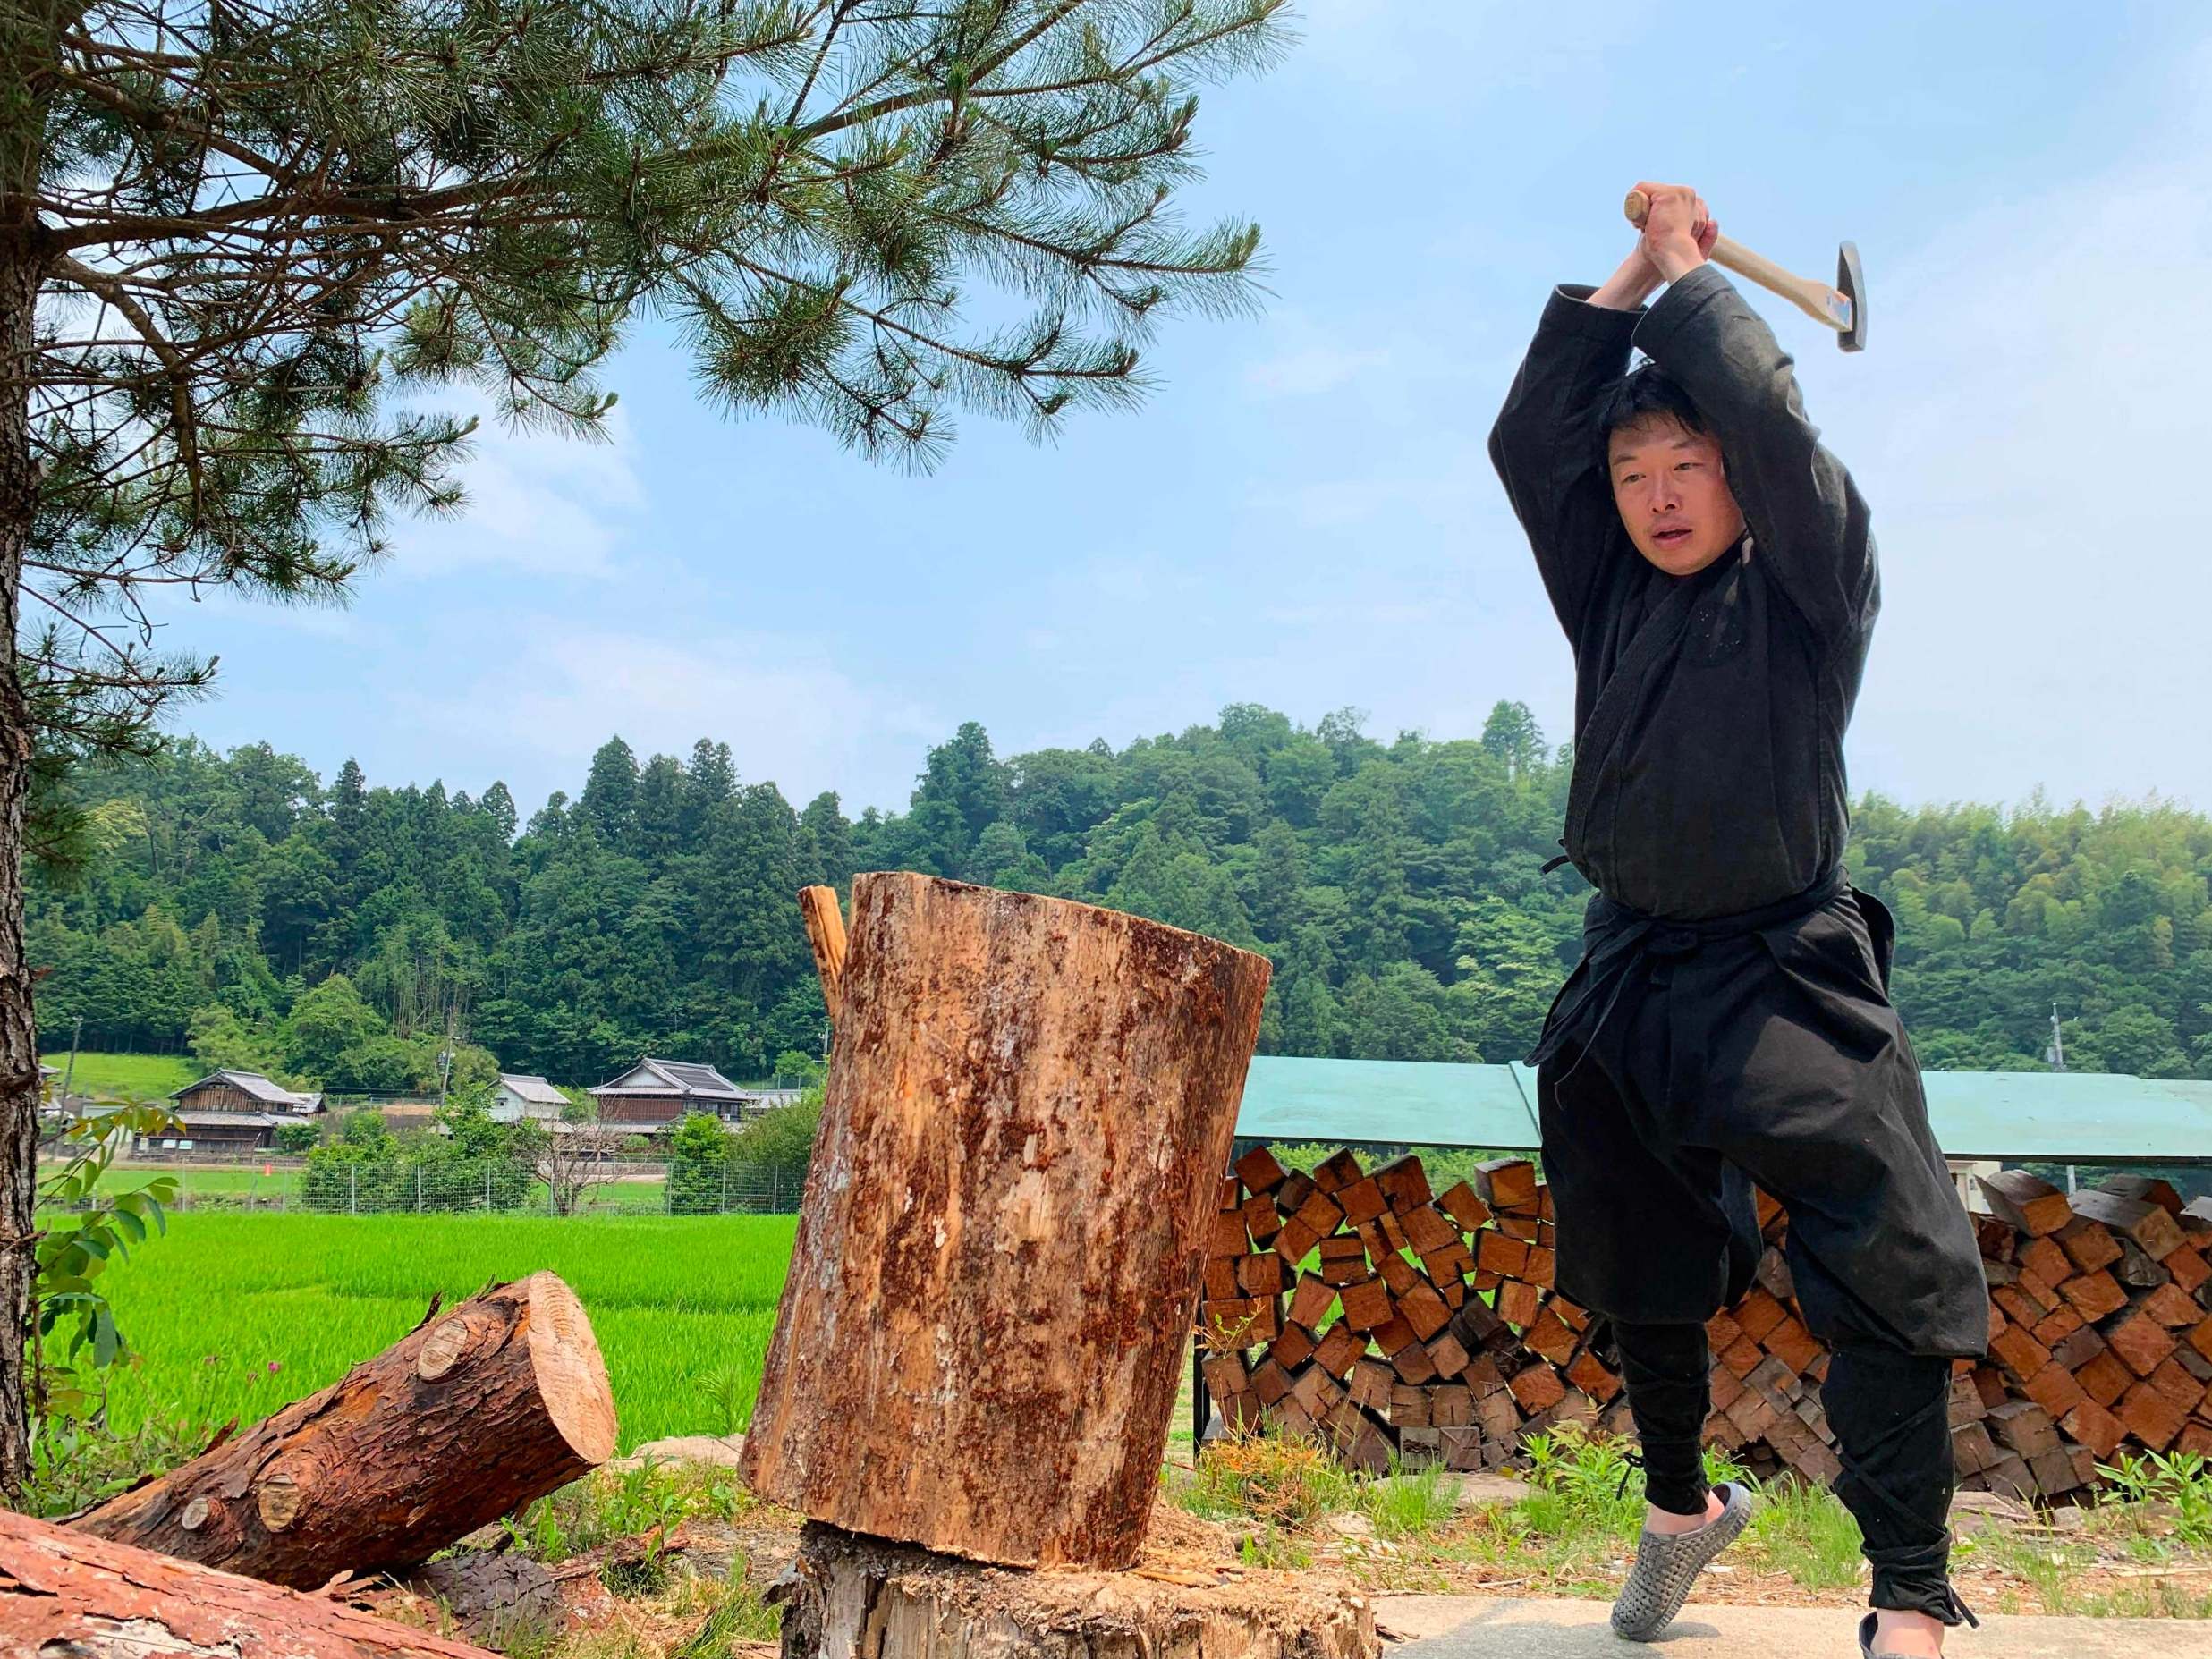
(2100,1333)
(1392,1322)
(1386,1319)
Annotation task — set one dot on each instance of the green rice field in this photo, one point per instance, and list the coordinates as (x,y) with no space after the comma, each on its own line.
(236,1315)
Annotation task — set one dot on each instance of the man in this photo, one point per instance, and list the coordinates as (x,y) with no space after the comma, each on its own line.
(1729,1022)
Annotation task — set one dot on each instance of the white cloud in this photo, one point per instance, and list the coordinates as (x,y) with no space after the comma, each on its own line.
(539,500)
(556,691)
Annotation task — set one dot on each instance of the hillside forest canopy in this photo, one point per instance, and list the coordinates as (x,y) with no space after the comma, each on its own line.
(239,909)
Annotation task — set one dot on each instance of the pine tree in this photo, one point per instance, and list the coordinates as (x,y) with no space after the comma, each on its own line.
(610,797)
(236,245)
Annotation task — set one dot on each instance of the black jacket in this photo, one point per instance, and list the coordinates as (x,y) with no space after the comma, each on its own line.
(1709,709)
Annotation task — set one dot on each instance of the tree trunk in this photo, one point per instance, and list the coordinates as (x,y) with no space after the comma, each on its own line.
(20,269)
(465,1420)
(63,1593)
(1030,1104)
(862,1598)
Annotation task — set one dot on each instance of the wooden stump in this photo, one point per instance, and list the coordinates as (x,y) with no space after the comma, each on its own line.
(862,1598)
(473,1414)
(1030,1103)
(65,1593)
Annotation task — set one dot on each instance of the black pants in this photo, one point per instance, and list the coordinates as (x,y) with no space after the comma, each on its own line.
(1771,1054)
(1890,1413)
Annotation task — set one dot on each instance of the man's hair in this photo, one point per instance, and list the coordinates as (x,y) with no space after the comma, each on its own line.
(1645,392)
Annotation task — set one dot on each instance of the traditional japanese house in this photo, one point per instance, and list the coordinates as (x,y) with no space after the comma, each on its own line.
(654,1095)
(232,1110)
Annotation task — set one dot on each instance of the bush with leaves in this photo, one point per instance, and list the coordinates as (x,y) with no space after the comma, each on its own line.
(774,1149)
(84,1233)
(296,1139)
(699,1159)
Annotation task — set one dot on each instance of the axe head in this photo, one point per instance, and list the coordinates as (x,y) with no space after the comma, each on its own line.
(1851,282)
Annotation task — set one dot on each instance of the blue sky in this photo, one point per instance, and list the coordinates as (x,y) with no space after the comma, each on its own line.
(1303,513)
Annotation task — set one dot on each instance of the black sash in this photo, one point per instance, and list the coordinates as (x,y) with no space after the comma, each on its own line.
(1614,936)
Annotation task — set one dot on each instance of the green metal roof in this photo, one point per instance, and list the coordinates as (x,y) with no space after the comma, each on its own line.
(2072,1117)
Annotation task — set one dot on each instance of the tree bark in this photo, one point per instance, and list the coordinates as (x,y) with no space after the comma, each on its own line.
(20,267)
(63,1593)
(1030,1107)
(470,1416)
(862,1598)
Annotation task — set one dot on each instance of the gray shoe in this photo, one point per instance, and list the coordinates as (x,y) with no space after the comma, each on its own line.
(1667,1565)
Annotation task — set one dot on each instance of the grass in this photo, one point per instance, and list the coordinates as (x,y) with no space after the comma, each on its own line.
(1569,1534)
(234,1315)
(125,1076)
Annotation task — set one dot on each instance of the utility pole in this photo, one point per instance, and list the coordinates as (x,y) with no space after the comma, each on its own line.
(69,1072)
(445,1062)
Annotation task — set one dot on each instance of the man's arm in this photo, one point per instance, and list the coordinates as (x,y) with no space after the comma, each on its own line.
(1545,444)
(1807,517)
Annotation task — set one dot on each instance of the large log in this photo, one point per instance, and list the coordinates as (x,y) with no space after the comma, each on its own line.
(468,1417)
(63,1592)
(1030,1106)
(862,1598)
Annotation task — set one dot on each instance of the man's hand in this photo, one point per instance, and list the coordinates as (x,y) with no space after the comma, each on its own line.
(1679,230)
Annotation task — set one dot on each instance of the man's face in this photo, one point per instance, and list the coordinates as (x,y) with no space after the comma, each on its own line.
(1673,493)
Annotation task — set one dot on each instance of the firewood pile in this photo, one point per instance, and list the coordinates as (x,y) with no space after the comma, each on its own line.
(1386,1320)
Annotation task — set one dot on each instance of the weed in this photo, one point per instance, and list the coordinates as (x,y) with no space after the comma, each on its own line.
(1806,1531)
(1582,1487)
(1410,1505)
(2153,1598)
(1283,1481)
(2048,1567)
(728,1392)
(2180,1481)
(1276,1548)
(525,1635)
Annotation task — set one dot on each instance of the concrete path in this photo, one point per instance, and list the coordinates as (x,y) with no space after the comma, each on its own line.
(1476,1627)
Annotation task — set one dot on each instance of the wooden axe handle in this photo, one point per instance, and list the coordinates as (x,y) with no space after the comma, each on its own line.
(1817,300)
(825,932)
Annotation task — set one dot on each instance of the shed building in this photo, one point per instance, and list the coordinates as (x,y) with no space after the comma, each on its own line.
(521,1096)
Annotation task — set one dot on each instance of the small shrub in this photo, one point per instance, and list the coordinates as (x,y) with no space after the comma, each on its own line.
(1282,1480)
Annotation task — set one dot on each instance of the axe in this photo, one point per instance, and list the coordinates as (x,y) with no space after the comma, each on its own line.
(1842,308)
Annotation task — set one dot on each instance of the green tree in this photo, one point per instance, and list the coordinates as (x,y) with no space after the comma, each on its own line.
(699,1155)
(220,1040)
(235,257)
(326,1025)
(774,1149)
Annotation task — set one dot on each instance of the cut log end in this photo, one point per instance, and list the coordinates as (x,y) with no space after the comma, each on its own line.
(499,1402)
(571,1375)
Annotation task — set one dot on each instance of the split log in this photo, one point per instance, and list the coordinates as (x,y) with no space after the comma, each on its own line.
(848,1597)
(65,1592)
(1015,1184)
(468,1417)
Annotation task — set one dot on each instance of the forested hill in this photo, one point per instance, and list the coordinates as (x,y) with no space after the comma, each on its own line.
(239,906)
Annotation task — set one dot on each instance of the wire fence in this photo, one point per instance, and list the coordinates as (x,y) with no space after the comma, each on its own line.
(497,1186)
